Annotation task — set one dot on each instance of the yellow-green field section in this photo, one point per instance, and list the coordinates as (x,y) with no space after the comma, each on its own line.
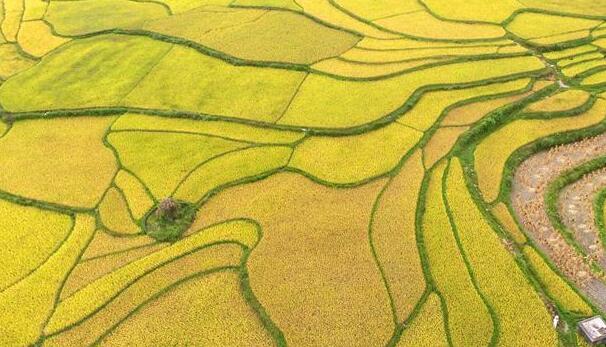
(331,172)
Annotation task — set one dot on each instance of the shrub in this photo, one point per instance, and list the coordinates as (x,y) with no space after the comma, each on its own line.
(169,219)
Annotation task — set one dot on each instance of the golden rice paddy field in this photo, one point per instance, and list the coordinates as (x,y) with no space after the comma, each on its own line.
(301,172)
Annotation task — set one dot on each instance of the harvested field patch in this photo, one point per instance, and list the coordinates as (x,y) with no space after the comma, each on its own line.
(530,186)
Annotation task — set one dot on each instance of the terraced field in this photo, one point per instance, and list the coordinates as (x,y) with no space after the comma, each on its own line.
(301,172)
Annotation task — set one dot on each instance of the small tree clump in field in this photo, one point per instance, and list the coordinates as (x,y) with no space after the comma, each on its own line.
(168,209)
(169,219)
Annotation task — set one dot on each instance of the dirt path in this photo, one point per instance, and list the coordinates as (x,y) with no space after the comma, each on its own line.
(529,186)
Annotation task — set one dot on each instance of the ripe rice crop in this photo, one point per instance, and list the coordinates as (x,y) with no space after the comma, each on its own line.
(301,172)
(507,290)
(450,273)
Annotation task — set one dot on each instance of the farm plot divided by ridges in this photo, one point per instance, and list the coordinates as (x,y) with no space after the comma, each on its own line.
(301,172)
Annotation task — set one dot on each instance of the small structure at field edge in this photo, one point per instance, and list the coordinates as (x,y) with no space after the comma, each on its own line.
(594,329)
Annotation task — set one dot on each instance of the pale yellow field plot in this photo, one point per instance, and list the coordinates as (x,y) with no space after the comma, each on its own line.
(424,25)
(530,25)
(351,159)
(37,39)
(24,228)
(61,160)
(562,101)
(474,10)
(394,238)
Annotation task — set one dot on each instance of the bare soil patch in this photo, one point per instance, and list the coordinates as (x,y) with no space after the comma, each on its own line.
(529,187)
